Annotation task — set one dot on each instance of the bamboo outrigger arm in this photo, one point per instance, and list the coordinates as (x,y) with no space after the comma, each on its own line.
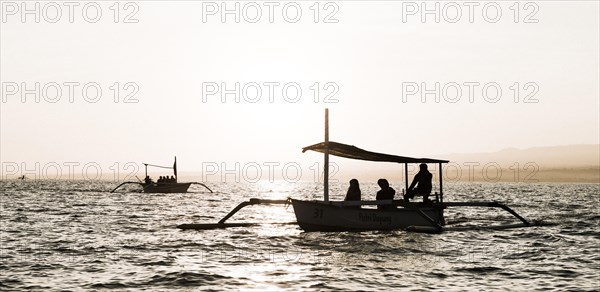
(222,224)
(144,187)
(487,204)
(127,182)
(252,201)
(197,183)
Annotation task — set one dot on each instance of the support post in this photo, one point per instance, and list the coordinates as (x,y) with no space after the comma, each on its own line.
(326,166)
(406,177)
(441,190)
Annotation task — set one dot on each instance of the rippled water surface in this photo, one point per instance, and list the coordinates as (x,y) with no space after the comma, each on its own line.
(76,235)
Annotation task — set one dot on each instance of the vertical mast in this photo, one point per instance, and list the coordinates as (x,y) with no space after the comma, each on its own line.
(326,166)
(175,168)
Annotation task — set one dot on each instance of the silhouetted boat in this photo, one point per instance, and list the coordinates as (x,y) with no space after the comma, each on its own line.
(329,215)
(326,215)
(164,186)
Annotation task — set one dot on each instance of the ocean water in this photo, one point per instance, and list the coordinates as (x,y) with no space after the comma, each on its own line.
(75,235)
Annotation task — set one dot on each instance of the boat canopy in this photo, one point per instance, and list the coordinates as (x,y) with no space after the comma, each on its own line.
(353,152)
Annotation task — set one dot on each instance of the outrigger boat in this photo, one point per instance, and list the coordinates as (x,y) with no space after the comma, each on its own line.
(149,186)
(326,215)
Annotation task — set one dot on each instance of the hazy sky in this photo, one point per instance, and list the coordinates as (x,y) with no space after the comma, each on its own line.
(375,58)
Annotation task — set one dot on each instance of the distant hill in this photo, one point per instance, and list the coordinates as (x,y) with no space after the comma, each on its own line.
(568,164)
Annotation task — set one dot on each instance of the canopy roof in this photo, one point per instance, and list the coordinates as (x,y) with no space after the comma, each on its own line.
(352,152)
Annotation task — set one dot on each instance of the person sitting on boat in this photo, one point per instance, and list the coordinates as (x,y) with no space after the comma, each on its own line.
(160,179)
(386,193)
(148,180)
(172,180)
(353,193)
(422,180)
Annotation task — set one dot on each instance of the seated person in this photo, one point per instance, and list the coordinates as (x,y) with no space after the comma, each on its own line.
(353,193)
(148,180)
(422,181)
(172,179)
(386,193)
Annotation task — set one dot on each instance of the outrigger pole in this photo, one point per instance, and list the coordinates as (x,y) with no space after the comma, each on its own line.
(222,224)
(435,227)
(127,182)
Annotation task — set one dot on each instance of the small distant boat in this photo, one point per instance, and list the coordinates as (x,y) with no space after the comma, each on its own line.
(162,186)
(23,177)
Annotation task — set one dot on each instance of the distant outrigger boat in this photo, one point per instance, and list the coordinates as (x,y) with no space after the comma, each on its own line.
(326,215)
(149,186)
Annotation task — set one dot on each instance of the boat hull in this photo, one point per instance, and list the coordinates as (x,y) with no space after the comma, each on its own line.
(321,216)
(167,188)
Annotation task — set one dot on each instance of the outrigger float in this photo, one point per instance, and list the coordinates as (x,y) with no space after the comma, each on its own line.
(326,215)
(149,186)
